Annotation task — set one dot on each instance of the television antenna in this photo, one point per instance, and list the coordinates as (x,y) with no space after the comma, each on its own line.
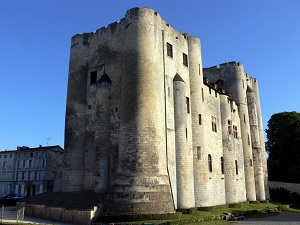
(48,139)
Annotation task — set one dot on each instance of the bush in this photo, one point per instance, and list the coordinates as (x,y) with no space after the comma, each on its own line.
(284,196)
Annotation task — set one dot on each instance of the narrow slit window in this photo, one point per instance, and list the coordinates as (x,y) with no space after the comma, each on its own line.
(185,60)
(222,165)
(198,152)
(214,124)
(202,95)
(236,168)
(200,119)
(187,105)
(229,127)
(169,50)
(93,77)
(209,163)
(235,133)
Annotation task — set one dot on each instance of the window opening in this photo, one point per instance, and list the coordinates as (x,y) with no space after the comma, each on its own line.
(198,152)
(209,163)
(185,60)
(235,134)
(236,168)
(200,119)
(229,127)
(214,124)
(93,77)
(169,50)
(187,105)
(222,165)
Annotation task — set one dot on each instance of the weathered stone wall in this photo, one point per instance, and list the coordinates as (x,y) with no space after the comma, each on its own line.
(142,127)
(82,217)
(292,187)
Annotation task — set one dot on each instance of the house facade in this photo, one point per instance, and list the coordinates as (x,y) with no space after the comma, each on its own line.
(29,171)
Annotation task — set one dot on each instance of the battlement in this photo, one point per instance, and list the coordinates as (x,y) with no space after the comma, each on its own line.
(134,14)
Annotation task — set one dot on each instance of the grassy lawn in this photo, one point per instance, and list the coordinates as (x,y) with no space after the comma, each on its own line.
(215,217)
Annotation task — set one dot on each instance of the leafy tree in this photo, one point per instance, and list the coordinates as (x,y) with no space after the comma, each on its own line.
(283,147)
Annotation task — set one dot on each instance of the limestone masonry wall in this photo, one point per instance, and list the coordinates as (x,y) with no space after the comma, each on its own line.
(152,131)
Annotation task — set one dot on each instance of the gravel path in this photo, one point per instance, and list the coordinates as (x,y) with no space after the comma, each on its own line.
(284,218)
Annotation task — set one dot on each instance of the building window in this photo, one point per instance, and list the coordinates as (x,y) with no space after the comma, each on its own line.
(199,69)
(10,156)
(30,164)
(31,154)
(216,94)
(186,133)
(36,175)
(222,165)
(229,127)
(185,60)
(93,77)
(4,165)
(198,152)
(187,105)
(44,163)
(209,163)
(169,50)
(202,94)
(251,162)
(214,124)
(200,119)
(5,156)
(37,154)
(236,168)
(248,139)
(210,91)
(244,118)
(235,133)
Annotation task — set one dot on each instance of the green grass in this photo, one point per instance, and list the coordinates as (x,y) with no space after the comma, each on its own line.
(215,217)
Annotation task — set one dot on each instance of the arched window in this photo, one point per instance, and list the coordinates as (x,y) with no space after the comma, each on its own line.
(222,165)
(209,163)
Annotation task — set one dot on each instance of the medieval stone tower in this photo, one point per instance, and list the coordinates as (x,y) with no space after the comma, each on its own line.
(152,131)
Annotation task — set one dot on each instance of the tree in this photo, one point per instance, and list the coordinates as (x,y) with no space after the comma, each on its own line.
(283,147)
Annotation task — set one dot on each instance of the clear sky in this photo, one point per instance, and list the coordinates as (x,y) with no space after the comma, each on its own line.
(35,41)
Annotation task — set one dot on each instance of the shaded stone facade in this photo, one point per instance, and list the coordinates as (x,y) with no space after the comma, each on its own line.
(152,131)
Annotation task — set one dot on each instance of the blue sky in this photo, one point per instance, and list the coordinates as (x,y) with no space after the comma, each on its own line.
(35,41)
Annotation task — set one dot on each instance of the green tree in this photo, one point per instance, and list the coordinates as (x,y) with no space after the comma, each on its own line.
(283,147)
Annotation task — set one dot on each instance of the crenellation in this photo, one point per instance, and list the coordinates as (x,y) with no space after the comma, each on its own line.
(147,126)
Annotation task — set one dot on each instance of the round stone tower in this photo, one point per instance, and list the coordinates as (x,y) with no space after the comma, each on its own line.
(234,75)
(141,182)
(196,83)
(75,134)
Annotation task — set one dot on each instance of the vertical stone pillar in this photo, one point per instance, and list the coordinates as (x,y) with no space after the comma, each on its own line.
(229,153)
(262,139)
(102,134)
(255,137)
(184,157)
(196,82)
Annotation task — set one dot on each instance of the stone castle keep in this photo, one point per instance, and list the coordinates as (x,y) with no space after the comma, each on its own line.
(152,131)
